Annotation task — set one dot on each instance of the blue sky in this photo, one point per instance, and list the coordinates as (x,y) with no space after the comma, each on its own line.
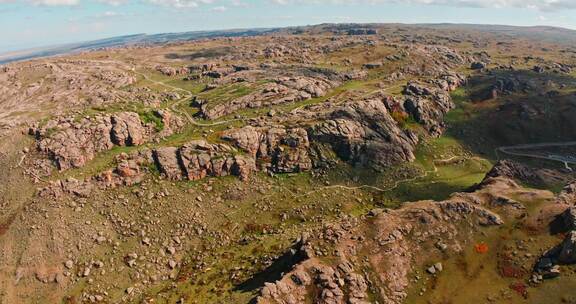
(33,23)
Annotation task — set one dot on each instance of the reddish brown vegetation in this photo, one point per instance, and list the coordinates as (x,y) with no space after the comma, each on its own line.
(508,269)
(520,288)
(481,248)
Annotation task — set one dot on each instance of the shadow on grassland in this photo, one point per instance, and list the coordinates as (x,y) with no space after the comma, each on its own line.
(529,108)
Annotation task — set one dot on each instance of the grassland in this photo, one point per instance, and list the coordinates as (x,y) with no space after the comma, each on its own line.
(477,277)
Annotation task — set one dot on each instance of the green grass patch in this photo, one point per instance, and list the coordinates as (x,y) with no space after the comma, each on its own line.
(103,161)
(224,94)
(153,118)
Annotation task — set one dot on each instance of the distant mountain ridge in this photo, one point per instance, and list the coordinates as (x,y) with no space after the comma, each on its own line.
(543,33)
(125,41)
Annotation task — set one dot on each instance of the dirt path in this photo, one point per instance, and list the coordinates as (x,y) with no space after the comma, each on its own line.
(509,151)
(174,107)
(378,189)
(394,186)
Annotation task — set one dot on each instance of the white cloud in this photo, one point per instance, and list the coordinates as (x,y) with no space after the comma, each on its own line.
(113,2)
(169,3)
(181,3)
(238,3)
(544,5)
(55,2)
(221,5)
(109,14)
(219,9)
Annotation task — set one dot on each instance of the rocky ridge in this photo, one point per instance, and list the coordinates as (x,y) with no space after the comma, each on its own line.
(428,104)
(394,241)
(279,91)
(71,144)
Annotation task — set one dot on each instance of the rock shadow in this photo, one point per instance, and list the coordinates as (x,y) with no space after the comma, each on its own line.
(274,272)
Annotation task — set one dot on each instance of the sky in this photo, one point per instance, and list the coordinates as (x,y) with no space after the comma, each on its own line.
(34,23)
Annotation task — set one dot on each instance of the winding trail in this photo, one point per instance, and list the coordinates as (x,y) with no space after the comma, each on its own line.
(394,186)
(189,94)
(378,189)
(509,150)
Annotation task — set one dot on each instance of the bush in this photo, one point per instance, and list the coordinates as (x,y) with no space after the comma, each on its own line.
(400,117)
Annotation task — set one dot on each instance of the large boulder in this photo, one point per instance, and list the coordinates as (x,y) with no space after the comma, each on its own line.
(478,65)
(278,148)
(167,161)
(567,249)
(71,144)
(199,159)
(563,254)
(427,106)
(243,167)
(363,132)
(569,218)
(127,129)
(248,139)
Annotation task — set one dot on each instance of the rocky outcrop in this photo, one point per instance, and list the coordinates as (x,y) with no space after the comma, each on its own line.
(369,132)
(428,104)
(280,91)
(341,284)
(168,163)
(568,194)
(565,252)
(199,159)
(363,132)
(71,144)
(127,129)
(399,240)
(128,171)
(516,171)
(503,85)
(70,186)
(449,82)
(172,71)
(279,149)
(562,254)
